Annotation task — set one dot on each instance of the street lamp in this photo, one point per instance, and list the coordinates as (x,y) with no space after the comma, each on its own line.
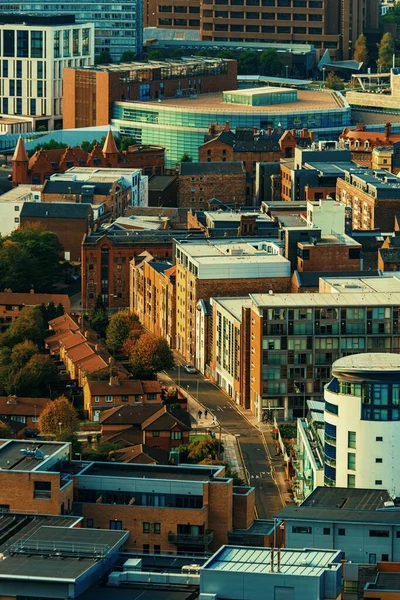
(323,76)
(287,71)
(59,425)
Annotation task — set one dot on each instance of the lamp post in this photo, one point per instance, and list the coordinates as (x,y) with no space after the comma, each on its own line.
(323,76)
(179,375)
(287,71)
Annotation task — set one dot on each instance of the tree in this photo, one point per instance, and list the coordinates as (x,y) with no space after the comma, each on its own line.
(360,49)
(104,58)
(22,353)
(50,145)
(28,326)
(154,55)
(333,81)
(6,433)
(186,157)
(127,56)
(270,63)
(127,141)
(51,311)
(150,354)
(118,329)
(225,54)
(25,372)
(206,448)
(59,419)
(248,63)
(98,317)
(385,52)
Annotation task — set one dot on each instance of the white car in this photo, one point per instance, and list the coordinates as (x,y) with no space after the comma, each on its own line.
(190,369)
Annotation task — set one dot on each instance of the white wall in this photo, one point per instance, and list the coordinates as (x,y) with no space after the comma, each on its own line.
(328,215)
(10,213)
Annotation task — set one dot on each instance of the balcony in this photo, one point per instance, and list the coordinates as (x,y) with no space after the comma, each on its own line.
(187,539)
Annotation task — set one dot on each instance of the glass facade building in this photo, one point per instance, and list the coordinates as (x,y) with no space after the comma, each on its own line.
(181,128)
(118,27)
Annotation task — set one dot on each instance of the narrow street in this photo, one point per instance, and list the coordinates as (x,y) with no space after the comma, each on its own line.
(256,459)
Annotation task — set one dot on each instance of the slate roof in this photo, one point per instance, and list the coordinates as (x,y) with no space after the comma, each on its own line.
(212,168)
(55,210)
(76,187)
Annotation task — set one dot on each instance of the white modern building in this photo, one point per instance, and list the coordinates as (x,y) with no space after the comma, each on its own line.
(308,463)
(327,214)
(34,51)
(11,204)
(362,422)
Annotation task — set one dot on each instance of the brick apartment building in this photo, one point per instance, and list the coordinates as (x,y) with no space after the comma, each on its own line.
(372,196)
(362,144)
(153,296)
(198,182)
(12,303)
(89,93)
(21,413)
(327,24)
(223,268)
(44,163)
(250,146)
(329,253)
(69,222)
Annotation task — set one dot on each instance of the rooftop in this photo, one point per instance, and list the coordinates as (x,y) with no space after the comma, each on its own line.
(212,168)
(369,361)
(359,285)
(55,210)
(21,192)
(226,248)
(36,19)
(173,473)
(24,455)
(12,406)
(307,100)
(318,300)
(308,562)
(233,305)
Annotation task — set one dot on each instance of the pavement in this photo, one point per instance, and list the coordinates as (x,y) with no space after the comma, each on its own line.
(264,467)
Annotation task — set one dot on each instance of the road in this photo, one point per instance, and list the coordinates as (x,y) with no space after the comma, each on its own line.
(257,460)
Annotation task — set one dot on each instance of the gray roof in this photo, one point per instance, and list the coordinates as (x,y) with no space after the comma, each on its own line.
(55,210)
(99,188)
(160,182)
(385,581)
(167,472)
(338,498)
(212,168)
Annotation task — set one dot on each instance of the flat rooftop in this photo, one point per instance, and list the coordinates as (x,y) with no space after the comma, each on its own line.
(346,498)
(69,553)
(330,239)
(370,361)
(359,285)
(236,559)
(227,248)
(137,471)
(223,216)
(233,305)
(307,100)
(28,455)
(318,300)
(20,192)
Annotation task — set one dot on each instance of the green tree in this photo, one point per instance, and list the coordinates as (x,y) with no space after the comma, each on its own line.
(28,326)
(385,53)
(186,157)
(127,141)
(150,354)
(177,53)
(127,56)
(270,63)
(206,448)
(22,353)
(51,311)
(333,81)
(99,317)
(6,433)
(225,54)
(59,419)
(154,55)
(51,145)
(248,63)
(119,328)
(104,58)
(360,49)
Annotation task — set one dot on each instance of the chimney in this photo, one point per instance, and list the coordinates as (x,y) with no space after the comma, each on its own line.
(227,126)
(388,130)
(255,130)
(114,380)
(293,132)
(210,129)
(12,399)
(361,127)
(269,130)
(312,137)
(272,560)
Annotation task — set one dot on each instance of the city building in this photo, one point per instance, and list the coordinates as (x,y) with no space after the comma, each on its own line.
(117,28)
(99,396)
(389,254)
(372,198)
(35,50)
(238,221)
(363,524)
(44,163)
(137,81)
(383,103)
(361,416)
(367,147)
(153,296)
(332,252)
(21,413)
(326,25)
(237,573)
(199,182)
(386,584)
(11,304)
(181,124)
(217,267)
(70,223)
(11,204)
(163,191)
(250,146)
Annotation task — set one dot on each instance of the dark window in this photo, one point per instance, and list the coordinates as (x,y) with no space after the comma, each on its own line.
(22,44)
(341,531)
(327,531)
(157,528)
(378,460)
(300,529)
(116,525)
(379,438)
(42,490)
(378,481)
(89,523)
(157,549)
(378,533)
(8,43)
(385,557)
(146,549)
(354,253)
(146,527)
(156,434)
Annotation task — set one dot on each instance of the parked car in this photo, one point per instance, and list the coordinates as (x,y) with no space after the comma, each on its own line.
(190,369)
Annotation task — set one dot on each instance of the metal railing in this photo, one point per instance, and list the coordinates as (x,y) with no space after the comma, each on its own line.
(202,539)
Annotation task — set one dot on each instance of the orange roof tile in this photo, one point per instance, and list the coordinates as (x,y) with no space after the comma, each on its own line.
(78,352)
(22,406)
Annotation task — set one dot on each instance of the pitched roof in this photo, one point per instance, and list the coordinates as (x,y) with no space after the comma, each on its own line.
(212,168)
(78,352)
(20,153)
(92,363)
(28,299)
(74,339)
(126,387)
(140,452)
(64,322)
(110,147)
(56,210)
(127,414)
(22,406)
(167,419)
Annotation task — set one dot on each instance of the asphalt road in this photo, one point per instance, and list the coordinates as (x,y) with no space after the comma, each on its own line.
(256,459)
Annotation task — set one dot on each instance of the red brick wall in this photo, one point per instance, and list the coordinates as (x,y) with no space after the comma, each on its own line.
(17,491)
(329,258)
(243,510)
(227,188)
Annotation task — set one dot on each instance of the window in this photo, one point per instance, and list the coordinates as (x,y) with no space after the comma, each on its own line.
(146,527)
(385,557)
(378,481)
(97,398)
(378,533)
(108,398)
(327,531)
(351,461)
(42,490)
(124,398)
(36,44)
(156,434)
(351,587)
(116,525)
(35,419)
(351,481)
(89,523)
(176,435)
(378,460)
(351,439)
(157,528)
(379,438)
(146,549)
(341,531)
(299,529)
(16,219)
(157,549)
(152,396)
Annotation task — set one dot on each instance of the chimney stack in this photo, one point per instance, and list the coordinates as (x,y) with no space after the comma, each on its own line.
(388,130)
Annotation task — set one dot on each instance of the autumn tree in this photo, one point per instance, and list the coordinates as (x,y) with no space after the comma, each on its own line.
(119,328)
(59,419)
(206,448)
(24,371)
(385,52)
(333,82)
(360,49)
(6,433)
(149,355)
(28,326)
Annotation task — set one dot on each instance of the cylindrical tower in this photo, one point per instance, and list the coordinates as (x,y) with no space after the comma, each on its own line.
(362,423)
